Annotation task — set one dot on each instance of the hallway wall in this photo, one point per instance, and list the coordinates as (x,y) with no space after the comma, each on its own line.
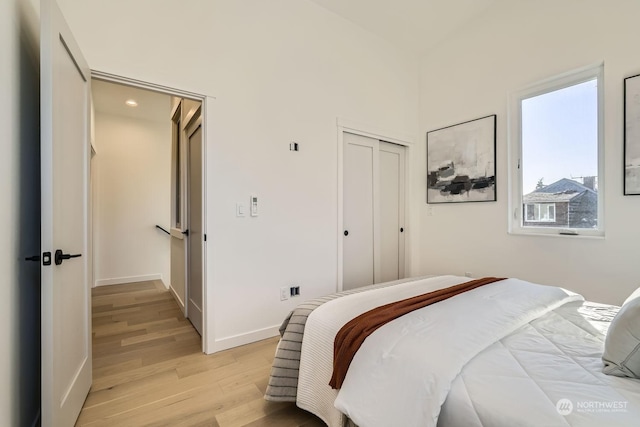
(133,191)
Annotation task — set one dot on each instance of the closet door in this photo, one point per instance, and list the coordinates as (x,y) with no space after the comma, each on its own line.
(373,211)
(392,159)
(360,161)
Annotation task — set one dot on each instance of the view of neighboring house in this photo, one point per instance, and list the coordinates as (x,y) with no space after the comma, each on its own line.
(565,203)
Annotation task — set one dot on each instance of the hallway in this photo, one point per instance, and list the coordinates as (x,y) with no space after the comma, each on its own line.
(148,369)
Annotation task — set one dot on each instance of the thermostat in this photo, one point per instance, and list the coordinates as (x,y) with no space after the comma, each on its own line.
(254,205)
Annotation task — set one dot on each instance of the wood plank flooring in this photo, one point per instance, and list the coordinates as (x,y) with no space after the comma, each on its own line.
(149,370)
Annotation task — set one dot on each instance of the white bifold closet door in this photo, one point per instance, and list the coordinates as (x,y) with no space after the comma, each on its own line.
(373,211)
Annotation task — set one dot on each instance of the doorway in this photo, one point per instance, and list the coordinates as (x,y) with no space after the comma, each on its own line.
(149,184)
(373,210)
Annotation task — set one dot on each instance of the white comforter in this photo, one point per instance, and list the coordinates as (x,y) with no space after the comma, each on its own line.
(402,373)
(316,360)
(547,373)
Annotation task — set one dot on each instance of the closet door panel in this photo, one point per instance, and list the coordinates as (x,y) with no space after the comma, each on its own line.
(358,205)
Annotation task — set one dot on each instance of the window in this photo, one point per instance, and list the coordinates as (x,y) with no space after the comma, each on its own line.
(540,212)
(556,156)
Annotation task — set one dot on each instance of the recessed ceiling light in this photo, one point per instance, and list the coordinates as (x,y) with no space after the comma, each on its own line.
(131,102)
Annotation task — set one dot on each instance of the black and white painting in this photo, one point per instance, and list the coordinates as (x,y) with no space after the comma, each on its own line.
(632,135)
(461,162)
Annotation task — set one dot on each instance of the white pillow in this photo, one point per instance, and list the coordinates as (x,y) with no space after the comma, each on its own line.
(622,346)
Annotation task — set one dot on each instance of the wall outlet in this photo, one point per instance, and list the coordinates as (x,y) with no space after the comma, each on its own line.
(468,274)
(284,293)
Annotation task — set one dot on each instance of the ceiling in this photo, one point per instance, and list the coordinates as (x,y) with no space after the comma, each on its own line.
(110,97)
(415,25)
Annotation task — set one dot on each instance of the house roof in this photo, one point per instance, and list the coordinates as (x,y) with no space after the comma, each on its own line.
(560,191)
(549,197)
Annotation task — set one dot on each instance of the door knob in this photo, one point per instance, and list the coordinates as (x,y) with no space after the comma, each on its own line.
(59,256)
(402,229)
(346,232)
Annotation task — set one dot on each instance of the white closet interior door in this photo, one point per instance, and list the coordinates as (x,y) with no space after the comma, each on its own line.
(390,219)
(360,161)
(391,175)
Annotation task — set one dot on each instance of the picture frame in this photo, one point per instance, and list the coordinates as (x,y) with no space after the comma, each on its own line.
(631,186)
(461,162)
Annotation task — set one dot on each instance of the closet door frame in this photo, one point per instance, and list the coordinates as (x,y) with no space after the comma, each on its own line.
(347,126)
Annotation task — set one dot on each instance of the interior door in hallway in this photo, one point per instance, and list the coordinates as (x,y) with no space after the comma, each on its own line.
(195,218)
(373,211)
(65,149)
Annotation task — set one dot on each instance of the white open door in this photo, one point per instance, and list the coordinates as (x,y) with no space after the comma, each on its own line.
(65,126)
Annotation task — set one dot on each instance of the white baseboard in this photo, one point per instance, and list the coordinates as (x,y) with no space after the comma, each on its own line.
(242,339)
(178,299)
(129,279)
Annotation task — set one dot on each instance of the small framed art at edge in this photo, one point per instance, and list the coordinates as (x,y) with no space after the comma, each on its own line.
(632,135)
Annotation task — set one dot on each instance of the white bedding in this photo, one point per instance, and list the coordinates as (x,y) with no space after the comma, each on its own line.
(404,371)
(316,361)
(520,379)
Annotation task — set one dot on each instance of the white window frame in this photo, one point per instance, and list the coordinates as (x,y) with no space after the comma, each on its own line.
(178,174)
(548,205)
(516,205)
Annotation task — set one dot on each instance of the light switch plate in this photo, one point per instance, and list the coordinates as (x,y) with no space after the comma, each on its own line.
(241,210)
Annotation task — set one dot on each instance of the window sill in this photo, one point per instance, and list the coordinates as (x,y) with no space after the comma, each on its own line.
(177,233)
(597,235)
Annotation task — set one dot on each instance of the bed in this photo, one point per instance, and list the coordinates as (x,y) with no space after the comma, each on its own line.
(509,353)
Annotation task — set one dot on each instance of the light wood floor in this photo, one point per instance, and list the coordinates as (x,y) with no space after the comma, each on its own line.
(148,369)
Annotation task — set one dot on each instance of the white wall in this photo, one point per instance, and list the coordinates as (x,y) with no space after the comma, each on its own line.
(19,198)
(280,70)
(132,195)
(513,44)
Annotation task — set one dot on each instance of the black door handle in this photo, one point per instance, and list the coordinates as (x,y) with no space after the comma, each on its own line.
(33,258)
(402,229)
(346,232)
(186,232)
(59,256)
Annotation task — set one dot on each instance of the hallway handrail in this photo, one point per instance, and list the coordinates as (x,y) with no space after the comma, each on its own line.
(160,228)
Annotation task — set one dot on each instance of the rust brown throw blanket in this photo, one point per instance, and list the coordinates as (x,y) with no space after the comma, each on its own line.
(351,336)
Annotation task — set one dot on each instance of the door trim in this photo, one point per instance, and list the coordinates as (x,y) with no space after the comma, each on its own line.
(344,125)
(203,99)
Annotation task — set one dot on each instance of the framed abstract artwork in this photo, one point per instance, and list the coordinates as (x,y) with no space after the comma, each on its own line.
(461,162)
(632,135)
